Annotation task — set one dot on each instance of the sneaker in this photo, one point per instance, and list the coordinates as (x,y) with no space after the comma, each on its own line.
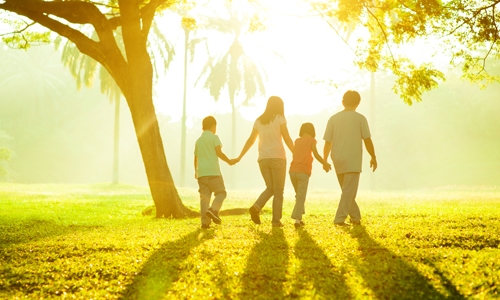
(254,214)
(205,226)
(279,224)
(342,224)
(212,214)
(302,223)
(298,225)
(356,223)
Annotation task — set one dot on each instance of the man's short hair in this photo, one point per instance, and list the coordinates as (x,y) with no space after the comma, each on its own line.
(208,122)
(351,98)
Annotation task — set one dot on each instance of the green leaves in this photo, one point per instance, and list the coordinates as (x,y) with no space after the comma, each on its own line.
(91,241)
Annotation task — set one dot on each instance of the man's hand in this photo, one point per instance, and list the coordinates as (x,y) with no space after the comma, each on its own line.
(327,167)
(373,163)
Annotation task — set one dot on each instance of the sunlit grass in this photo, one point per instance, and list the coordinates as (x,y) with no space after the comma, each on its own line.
(91,241)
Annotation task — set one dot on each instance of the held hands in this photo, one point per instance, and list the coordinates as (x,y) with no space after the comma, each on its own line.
(233,161)
(327,167)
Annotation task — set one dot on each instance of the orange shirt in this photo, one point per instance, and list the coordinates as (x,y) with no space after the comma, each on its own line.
(302,155)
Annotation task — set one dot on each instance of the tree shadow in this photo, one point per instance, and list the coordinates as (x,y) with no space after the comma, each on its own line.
(389,276)
(35,229)
(317,269)
(266,269)
(164,266)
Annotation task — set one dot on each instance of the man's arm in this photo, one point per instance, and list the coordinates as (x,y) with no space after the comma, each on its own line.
(326,151)
(371,150)
(195,167)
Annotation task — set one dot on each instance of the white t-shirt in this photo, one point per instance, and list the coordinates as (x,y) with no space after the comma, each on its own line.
(270,140)
(346,130)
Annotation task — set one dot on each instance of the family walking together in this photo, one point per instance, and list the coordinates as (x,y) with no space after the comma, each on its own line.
(345,133)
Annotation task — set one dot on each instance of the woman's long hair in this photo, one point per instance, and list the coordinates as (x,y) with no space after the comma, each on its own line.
(274,107)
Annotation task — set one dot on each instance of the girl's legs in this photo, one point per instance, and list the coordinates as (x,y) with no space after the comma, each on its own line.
(301,182)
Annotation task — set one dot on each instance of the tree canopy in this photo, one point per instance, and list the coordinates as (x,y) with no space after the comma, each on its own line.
(465,31)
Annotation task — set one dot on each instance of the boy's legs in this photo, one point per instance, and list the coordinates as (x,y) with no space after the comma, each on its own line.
(205,195)
(347,206)
(300,182)
(216,185)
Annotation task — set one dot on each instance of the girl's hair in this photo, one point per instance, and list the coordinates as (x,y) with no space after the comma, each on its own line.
(274,107)
(307,128)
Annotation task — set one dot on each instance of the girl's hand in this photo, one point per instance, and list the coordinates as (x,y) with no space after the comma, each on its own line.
(327,167)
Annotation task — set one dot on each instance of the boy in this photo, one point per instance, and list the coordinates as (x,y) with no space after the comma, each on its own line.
(343,137)
(207,152)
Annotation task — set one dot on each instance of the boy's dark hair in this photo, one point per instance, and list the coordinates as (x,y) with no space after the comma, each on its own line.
(274,107)
(351,98)
(307,128)
(208,122)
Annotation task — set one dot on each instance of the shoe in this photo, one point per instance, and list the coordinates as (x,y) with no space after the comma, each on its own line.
(205,226)
(300,224)
(254,214)
(279,224)
(342,224)
(356,223)
(212,214)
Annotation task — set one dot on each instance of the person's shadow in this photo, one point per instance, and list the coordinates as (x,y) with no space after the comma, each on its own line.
(163,267)
(266,267)
(316,270)
(388,276)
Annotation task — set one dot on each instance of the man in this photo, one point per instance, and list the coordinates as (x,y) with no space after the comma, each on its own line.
(344,135)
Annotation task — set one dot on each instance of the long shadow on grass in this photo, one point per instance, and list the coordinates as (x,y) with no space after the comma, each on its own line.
(164,266)
(32,230)
(317,270)
(265,272)
(389,276)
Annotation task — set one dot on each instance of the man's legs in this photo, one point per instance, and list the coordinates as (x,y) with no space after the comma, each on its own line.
(205,195)
(347,206)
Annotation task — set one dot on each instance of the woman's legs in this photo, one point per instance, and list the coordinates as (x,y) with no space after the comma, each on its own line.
(273,171)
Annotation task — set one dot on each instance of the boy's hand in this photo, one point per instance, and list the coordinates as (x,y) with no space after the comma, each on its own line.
(373,164)
(327,167)
(233,161)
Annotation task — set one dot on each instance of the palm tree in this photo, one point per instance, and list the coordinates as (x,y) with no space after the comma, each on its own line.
(233,68)
(84,68)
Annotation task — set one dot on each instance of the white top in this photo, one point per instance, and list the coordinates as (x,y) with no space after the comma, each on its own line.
(270,140)
(346,130)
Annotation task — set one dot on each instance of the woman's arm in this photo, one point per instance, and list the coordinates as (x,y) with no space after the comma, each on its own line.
(286,137)
(251,140)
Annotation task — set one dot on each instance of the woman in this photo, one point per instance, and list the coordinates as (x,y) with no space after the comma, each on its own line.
(271,129)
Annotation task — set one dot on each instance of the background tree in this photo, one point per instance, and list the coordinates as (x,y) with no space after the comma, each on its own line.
(467,31)
(131,69)
(233,69)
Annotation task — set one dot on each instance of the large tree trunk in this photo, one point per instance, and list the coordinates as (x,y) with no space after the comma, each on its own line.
(140,101)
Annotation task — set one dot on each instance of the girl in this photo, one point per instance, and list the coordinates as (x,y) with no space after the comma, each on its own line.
(301,167)
(271,129)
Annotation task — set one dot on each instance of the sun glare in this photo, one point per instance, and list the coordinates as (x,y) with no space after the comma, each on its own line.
(304,62)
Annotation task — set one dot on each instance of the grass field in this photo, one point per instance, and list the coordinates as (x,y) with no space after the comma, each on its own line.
(91,241)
